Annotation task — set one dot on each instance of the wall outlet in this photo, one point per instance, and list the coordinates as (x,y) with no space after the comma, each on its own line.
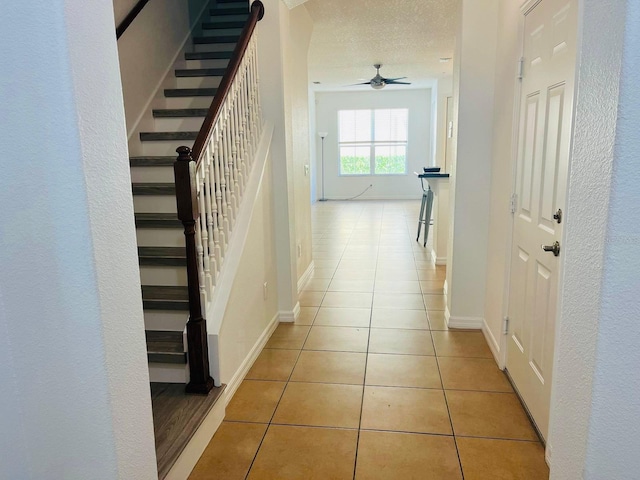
(265,290)
(299,251)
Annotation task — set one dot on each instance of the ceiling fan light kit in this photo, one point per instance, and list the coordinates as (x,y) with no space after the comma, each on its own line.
(379,82)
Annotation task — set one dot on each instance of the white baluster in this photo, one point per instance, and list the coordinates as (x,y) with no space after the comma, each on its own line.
(215,218)
(199,246)
(221,197)
(212,272)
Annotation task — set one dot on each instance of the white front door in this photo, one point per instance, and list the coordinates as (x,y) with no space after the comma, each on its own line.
(546,109)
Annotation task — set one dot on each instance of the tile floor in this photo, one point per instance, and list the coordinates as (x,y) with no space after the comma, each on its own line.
(369,383)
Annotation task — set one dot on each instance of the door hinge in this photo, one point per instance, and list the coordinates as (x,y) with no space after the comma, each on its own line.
(505,326)
(521,68)
(513,202)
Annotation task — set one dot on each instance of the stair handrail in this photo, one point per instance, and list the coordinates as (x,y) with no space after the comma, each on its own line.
(210,180)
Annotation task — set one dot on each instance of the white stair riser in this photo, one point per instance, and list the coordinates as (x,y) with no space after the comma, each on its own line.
(163,148)
(154,204)
(165,320)
(178,124)
(160,237)
(187,102)
(169,276)
(152,174)
(167,373)
(198,82)
(204,64)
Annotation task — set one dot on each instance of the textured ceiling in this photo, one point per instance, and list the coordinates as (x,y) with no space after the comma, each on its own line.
(408,37)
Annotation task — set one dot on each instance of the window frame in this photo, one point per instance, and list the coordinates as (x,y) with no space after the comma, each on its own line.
(372,144)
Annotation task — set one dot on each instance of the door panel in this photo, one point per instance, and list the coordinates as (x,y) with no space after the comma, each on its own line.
(541,174)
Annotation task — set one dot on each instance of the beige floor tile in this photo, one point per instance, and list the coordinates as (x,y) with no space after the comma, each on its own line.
(297,453)
(254,401)
(230,452)
(354,274)
(437,320)
(365,286)
(311,299)
(494,415)
(307,315)
(397,275)
(320,405)
(323,272)
(347,300)
(405,410)
(330,367)
(273,364)
(340,339)
(472,374)
(395,318)
(501,459)
(288,336)
(385,263)
(461,344)
(357,263)
(402,301)
(432,287)
(317,285)
(406,456)
(425,264)
(402,371)
(343,317)
(407,342)
(435,302)
(402,286)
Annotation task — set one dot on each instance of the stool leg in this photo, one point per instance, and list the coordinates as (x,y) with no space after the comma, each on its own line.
(422,205)
(427,215)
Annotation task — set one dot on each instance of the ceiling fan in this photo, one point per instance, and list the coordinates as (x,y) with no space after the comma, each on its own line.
(379,82)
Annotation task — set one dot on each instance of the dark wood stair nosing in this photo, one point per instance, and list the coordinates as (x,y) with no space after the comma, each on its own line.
(152,161)
(199,72)
(157,220)
(156,189)
(179,113)
(223,24)
(189,92)
(167,136)
(229,11)
(215,39)
(222,55)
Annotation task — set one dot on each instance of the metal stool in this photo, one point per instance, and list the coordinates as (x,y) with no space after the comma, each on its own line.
(425,212)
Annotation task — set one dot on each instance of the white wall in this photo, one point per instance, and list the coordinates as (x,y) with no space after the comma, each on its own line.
(75,401)
(474,75)
(595,416)
(248,313)
(147,51)
(502,164)
(418,101)
(443,90)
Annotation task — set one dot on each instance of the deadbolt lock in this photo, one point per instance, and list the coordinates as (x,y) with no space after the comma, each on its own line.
(558,216)
(555,248)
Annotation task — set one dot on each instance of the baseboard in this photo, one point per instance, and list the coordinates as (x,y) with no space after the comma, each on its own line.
(196,446)
(246,365)
(289,316)
(438,260)
(306,276)
(468,323)
(493,344)
(548,451)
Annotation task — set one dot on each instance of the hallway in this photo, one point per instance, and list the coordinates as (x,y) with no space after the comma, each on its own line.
(369,383)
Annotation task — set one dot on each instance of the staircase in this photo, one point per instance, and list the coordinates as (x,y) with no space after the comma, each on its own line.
(177,117)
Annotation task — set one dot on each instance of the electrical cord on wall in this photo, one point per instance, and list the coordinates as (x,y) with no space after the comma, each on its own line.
(352,198)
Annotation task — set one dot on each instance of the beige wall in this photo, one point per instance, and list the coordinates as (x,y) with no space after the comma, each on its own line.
(502,169)
(296,43)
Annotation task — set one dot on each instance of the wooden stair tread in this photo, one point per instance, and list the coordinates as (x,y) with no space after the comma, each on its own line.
(167,136)
(152,161)
(153,188)
(216,39)
(179,112)
(162,256)
(176,417)
(225,55)
(157,220)
(229,11)
(200,72)
(223,24)
(190,92)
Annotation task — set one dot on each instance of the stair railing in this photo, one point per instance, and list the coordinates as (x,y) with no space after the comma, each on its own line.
(210,182)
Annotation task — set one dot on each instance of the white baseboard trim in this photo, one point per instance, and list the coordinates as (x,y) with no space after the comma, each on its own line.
(196,446)
(548,453)
(493,344)
(436,259)
(289,316)
(306,276)
(468,323)
(242,371)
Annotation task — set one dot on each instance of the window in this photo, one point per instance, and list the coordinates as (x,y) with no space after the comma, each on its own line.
(373,142)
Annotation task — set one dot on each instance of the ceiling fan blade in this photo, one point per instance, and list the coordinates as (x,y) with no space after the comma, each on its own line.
(394,79)
(364,83)
(393,82)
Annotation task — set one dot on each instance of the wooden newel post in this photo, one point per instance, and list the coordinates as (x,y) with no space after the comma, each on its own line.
(198,351)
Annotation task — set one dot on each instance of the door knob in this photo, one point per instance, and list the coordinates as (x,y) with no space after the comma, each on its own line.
(555,248)
(558,216)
